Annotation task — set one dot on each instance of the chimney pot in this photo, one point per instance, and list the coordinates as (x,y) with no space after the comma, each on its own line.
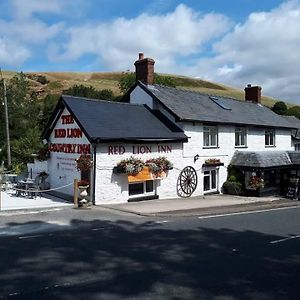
(141,55)
(249,85)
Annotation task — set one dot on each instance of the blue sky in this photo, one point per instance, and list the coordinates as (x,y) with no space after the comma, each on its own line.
(233,42)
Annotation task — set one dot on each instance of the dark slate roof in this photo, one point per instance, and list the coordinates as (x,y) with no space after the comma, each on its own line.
(261,159)
(192,106)
(295,157)
(295,122)
(112,121)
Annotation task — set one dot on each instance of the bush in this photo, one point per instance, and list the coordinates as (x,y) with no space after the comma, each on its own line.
(232,178)
(232,188)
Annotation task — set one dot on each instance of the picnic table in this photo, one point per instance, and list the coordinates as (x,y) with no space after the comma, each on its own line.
(26,188)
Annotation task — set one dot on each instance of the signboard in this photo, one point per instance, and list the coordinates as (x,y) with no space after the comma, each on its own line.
(138,149)
(64,133)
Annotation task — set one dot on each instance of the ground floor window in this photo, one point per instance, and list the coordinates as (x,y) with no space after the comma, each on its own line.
(144,188)
(271,178)
(210,180)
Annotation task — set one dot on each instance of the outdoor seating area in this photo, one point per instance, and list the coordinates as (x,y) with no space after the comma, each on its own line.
(22,185)
(9,201)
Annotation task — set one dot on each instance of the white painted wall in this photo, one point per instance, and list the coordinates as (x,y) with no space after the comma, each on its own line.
(62,166)
(226,142)
(113,188)
(37,167)
(139,96)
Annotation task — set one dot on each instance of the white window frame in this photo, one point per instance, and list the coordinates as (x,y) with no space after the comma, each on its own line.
(268,134)
(215,189)
(238,133)
(210,131)
(145,193)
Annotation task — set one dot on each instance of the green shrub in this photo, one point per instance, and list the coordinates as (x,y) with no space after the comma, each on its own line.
(232,178)
(232,188)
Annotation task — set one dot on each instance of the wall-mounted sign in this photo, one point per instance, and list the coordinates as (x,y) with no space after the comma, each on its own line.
(69,133)
(70,148)
(138,149)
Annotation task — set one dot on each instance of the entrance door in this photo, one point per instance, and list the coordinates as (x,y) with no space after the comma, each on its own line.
(210,181)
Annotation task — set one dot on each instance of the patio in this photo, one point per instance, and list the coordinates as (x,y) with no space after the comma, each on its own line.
(9,201)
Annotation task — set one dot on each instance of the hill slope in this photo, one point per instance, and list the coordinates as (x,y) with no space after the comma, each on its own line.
(59,81)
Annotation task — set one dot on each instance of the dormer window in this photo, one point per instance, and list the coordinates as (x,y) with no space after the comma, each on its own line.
(270,138)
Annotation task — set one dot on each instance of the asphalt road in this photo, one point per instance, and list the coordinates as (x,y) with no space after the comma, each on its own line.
(119,256)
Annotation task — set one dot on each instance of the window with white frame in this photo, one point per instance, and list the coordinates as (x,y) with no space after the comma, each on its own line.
(269,137)
(240,136)
(143,188)
(210,181)
(297,147)
(210,136)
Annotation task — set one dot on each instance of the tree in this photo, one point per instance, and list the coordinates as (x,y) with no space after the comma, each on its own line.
(128,80)
(294,111)
(280,108)
(25,112)
(49,104)
(89,92)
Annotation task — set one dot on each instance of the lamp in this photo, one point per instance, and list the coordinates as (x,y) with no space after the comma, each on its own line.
(196,157)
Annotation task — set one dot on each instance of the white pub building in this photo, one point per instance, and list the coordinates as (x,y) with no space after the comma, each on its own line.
(198,134)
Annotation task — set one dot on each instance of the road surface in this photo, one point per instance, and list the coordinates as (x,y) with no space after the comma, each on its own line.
(120,256)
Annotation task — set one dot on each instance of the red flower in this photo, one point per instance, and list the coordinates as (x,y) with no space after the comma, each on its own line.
(83,182)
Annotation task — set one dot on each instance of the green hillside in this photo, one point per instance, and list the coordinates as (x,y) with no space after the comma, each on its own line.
(59,81)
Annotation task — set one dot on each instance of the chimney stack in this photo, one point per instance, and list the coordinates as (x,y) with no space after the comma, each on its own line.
(144,69)
(253,93)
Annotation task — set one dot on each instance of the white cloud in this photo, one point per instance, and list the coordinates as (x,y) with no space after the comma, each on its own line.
(12,53)
(33,31)
(23,31)
(26,9)
(164,37)
(264,50)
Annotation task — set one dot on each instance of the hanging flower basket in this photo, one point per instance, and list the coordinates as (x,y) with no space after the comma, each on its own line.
(84,163)
(43,154)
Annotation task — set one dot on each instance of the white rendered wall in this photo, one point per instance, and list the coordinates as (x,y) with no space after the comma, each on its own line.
(226,145)
(37,167)
(62,166)
(226,141)
(113,188)
(139,96)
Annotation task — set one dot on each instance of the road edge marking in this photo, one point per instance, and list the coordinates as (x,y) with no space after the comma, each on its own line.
(246,212)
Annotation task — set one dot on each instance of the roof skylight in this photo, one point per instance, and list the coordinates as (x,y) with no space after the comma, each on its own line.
(221,103)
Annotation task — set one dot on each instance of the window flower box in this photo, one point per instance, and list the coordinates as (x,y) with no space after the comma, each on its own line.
(213,162)
(138,170)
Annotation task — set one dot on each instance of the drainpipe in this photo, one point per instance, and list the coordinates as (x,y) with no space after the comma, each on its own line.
(94,174)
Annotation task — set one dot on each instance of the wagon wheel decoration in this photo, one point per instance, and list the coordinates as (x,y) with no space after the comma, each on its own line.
(187,182)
